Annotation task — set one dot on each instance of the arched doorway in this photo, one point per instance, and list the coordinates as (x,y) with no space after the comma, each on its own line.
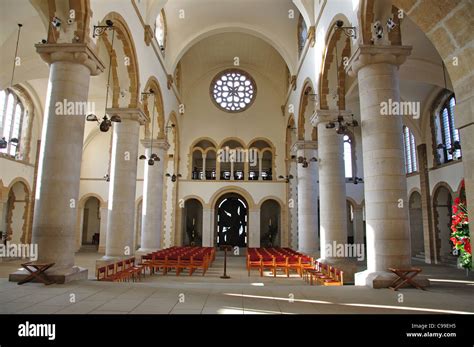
(442,210)
(270,224)
(192,223)
(232,220)
(16,213)
(91,222)
(350,221)
(416,224)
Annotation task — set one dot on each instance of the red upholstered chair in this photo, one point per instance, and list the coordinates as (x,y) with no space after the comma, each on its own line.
(102,273)
(337,278)
(268,262)
(281,262)
(294,263)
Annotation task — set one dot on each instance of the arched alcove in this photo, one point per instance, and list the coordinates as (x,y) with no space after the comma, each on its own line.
(270,224)
(416,224)
(192,223)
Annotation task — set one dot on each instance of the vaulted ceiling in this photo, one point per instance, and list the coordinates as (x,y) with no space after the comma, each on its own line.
(220,51)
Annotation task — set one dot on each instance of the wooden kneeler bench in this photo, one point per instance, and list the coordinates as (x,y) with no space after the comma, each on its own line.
(37,272)
(405,276)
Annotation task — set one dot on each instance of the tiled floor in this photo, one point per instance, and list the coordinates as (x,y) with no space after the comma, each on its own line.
(451,292)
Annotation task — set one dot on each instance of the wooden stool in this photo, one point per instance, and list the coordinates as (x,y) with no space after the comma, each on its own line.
(405,276)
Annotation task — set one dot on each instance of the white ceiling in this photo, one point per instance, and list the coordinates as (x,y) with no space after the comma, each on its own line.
(267,19)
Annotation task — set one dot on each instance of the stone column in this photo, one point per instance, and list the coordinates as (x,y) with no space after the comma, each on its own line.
(123,181)
(204,167)
(55,216)
(152,210)
(429,237)
(332,184)
(103,228)
(207,234)
(232,177)
(253,228)
(3,207)
(358,225)
(212,229)
(308,223)
(332,194)
(387,223)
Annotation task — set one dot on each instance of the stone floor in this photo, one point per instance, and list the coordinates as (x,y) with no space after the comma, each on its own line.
(451,292)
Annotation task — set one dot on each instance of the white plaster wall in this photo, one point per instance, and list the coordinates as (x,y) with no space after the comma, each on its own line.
(258,190)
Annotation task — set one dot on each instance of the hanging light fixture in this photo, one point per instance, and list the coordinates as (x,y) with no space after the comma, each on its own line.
(339,123)
(153,156)
(106,122)
(287,178)
(174,177)
(16,54)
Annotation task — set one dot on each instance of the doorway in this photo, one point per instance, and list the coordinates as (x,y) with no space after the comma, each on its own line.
(232,220)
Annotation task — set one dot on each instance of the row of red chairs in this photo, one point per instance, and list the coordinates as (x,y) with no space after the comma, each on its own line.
(180,259)
(275,259)
(120,271)
(324,274)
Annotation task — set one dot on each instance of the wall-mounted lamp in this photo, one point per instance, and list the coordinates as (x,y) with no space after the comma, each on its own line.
(287,178)
(348,31)
(174,177)
(304,161)
(106,122)
(341,125)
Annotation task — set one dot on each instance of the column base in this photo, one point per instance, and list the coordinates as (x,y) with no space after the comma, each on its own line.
(142,251)
(348,266)
(75,273)
(383,279)
(107,259)
(312,252)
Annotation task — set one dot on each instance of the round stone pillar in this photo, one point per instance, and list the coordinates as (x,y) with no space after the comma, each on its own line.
(123,182)
(57,190)
(332,186)
(387,224)
(152,210)
(307,180)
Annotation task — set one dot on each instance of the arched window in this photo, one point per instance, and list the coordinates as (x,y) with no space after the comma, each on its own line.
(203,156)
(260,158)
(160,30)
(410,150)
(302,34)
(447,136)
(348,160)
(12,113)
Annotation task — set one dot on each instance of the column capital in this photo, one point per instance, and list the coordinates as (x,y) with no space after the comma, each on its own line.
(156,143)
(377,54)
(324,116)
(136,114)
(304,145)
(79,53)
